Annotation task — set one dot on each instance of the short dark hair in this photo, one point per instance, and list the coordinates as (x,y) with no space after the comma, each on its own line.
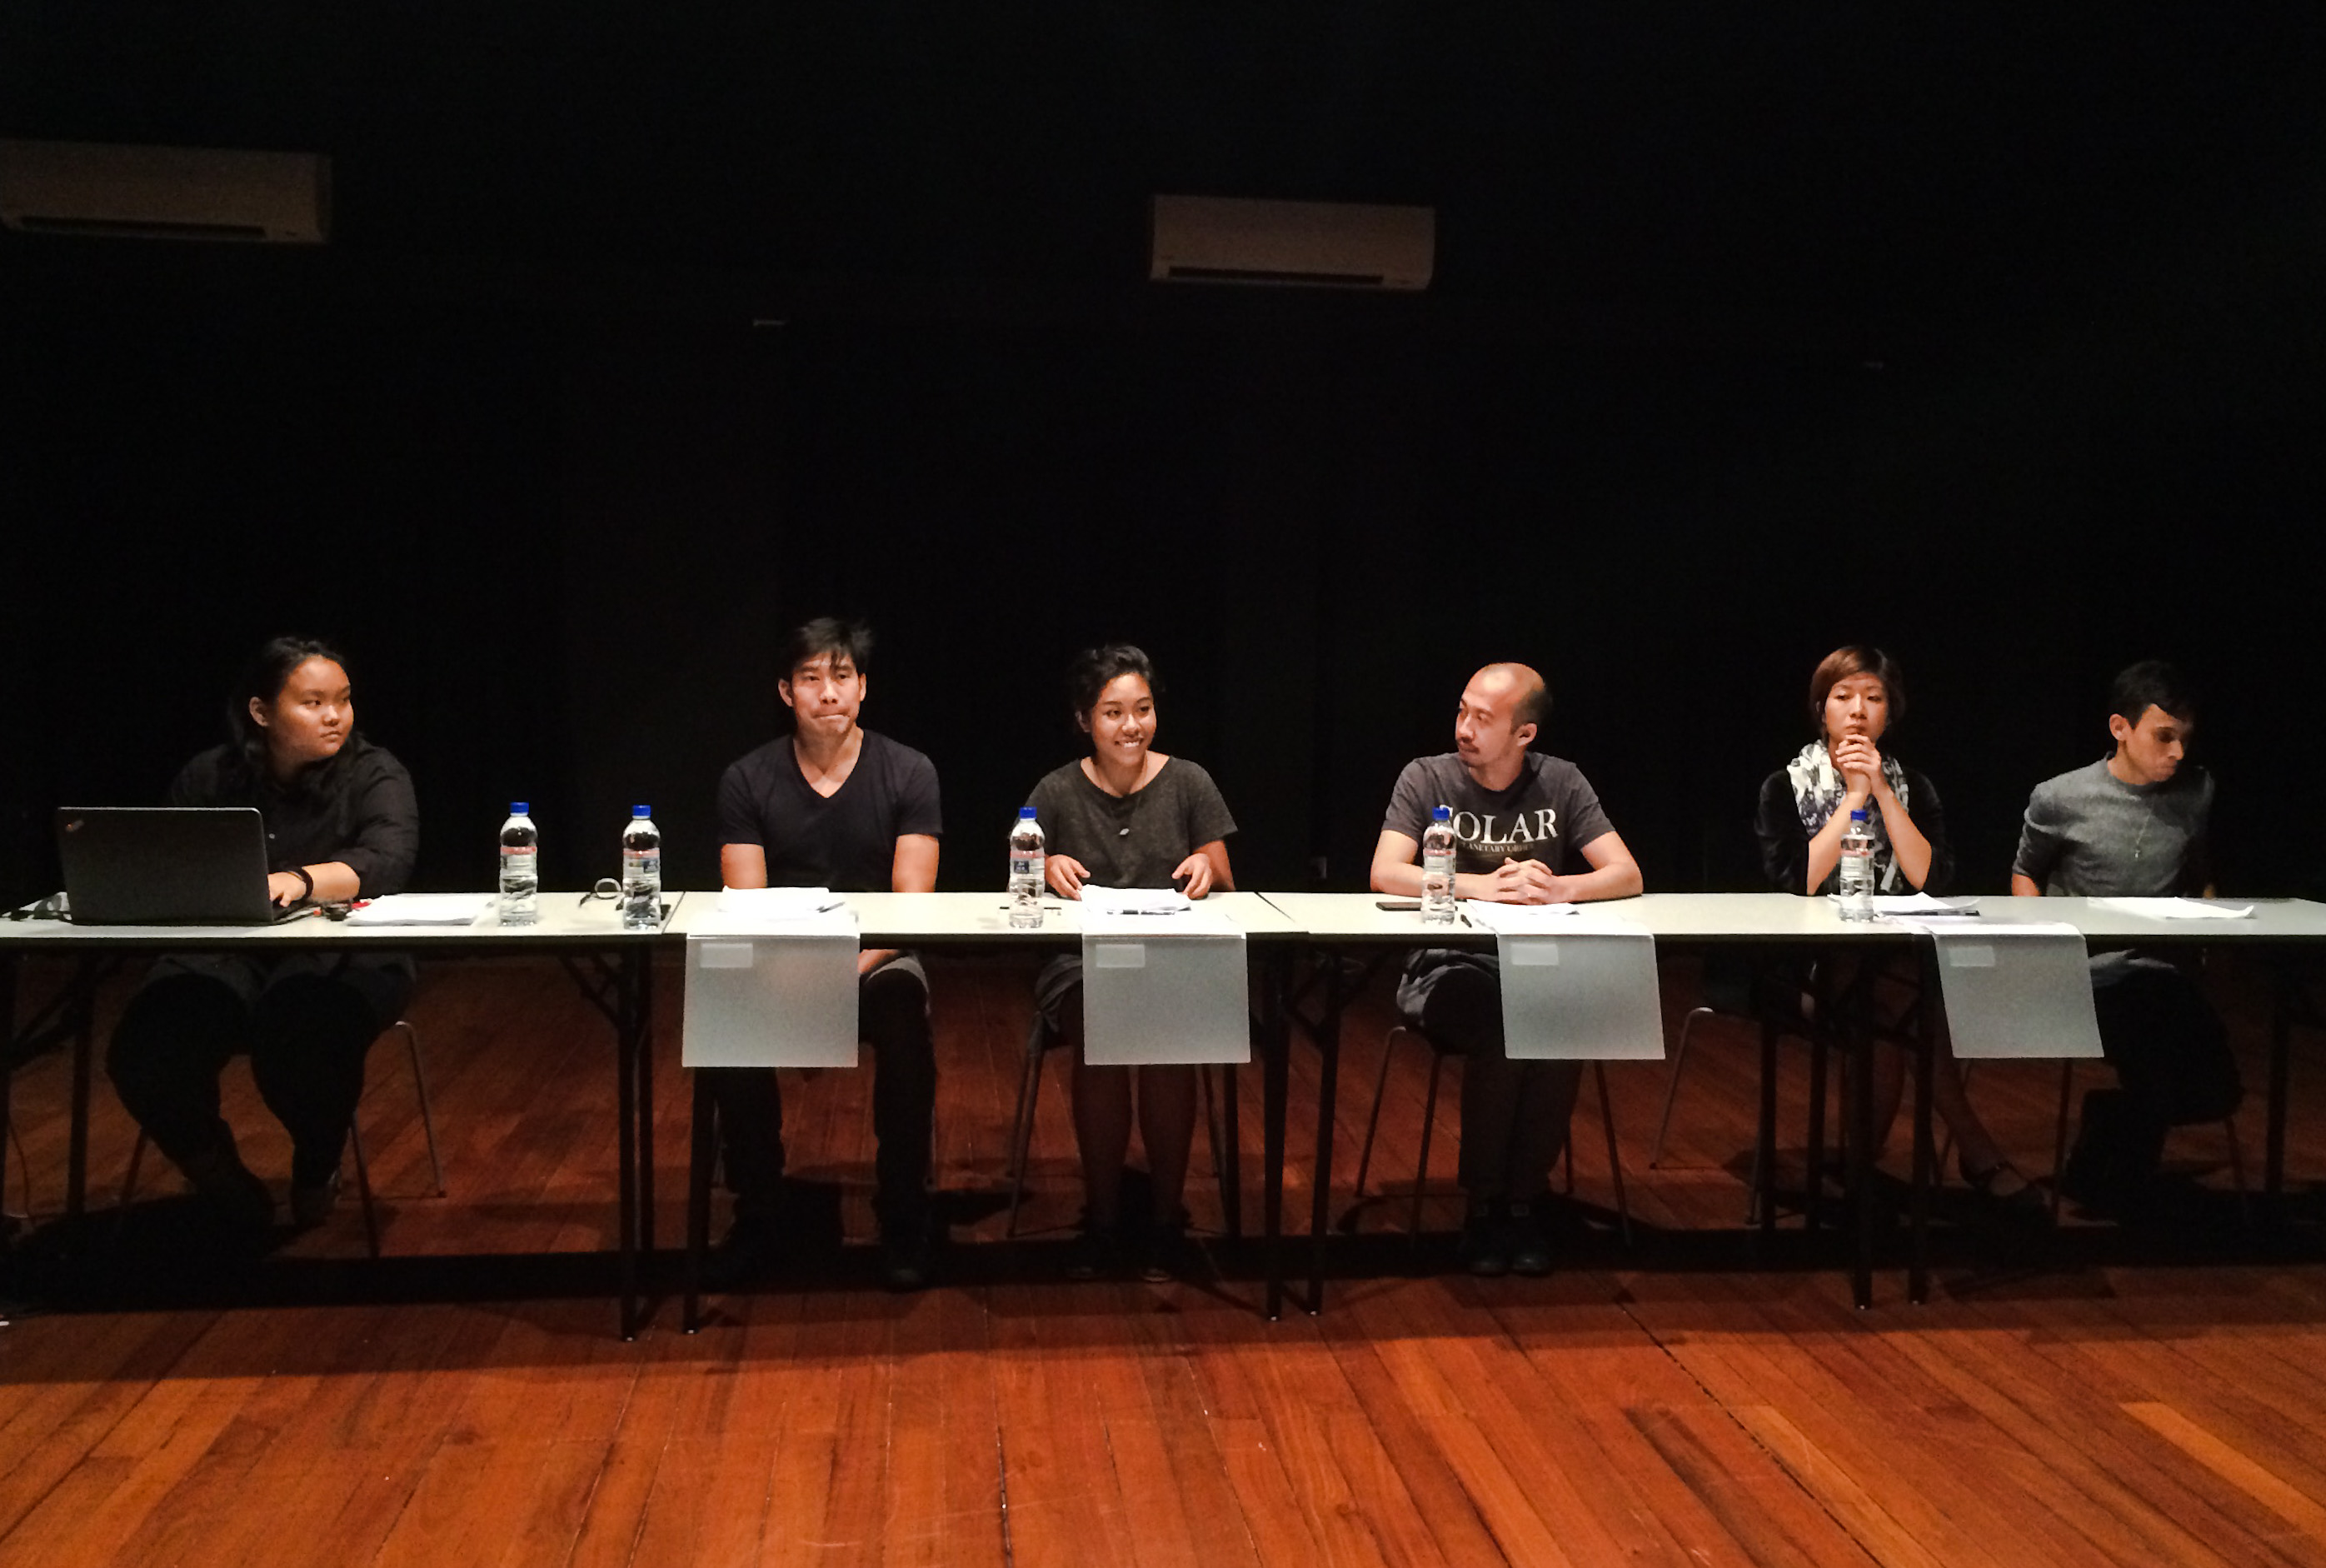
(1856,659)
(828,636)
(1097,668)
(263,680)
(2151,683)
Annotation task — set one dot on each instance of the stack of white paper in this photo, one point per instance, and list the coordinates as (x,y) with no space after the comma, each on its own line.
(2176,909)
(1495,917)
(1925,905)
(1135,901)
(778,903)
(423,910)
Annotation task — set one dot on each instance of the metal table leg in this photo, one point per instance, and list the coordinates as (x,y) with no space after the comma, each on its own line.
(2280,1053)
(1917,1270)
(1328,1085)
(644,1026)
(702,1132)
(625,1096)
(11,966)
(1861,1164)
(84,1006)
(1276,1077)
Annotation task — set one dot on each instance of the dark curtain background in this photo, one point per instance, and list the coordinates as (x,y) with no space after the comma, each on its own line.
(1994,339)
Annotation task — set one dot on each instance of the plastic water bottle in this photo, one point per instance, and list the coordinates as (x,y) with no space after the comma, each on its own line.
(641,873)
(1858,869)
(520,868)
(1025,871)
(1437,869)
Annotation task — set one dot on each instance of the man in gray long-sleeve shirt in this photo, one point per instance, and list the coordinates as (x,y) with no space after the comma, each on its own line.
(2135,825)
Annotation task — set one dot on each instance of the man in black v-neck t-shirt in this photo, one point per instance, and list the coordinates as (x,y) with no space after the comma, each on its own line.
(833,805)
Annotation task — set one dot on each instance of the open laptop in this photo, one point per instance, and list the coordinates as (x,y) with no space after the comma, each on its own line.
(166,866)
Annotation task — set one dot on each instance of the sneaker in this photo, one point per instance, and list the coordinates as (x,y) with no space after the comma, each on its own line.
(1170,1255)
(907,1254)
(311,1206)
(1095,1254)
(1530,1250)
(1485,1244)
(746,1255)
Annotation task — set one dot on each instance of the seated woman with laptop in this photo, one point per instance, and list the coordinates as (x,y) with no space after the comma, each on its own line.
(341,823)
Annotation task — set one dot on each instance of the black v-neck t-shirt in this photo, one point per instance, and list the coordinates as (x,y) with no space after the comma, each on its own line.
(846,841)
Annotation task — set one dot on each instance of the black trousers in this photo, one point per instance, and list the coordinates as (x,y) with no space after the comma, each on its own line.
(1514,1114)
(306,1022)
(893,1016)
(2172,1064)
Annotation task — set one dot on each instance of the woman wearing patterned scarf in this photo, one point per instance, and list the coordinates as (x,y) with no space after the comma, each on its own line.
(1805,807)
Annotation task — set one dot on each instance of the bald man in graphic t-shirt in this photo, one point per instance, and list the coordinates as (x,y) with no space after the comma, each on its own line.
(1528,830)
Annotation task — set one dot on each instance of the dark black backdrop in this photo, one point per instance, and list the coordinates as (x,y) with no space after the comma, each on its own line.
(1997,340)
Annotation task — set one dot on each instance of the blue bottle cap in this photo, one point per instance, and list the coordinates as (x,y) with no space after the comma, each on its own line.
(642,811)
(1441,813)
(1858,814)
(1025,813)
(519,808)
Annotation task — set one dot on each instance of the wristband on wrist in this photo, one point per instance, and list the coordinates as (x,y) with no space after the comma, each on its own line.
(301,873)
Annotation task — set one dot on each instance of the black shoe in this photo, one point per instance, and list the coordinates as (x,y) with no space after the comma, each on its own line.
(1096,1255)
(311,1206)
(231,1188)
(1529,1248)
(1170,1255)
(2004,1190)
(908,1257)
(745,1255)
(1486,1242)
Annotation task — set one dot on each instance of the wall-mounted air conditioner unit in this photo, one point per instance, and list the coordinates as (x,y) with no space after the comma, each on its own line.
(98,188)
(1315,244)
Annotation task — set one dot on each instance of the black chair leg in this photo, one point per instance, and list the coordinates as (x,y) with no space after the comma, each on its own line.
(1422,1166)
(1373,1125)
(1021,1134)
(1614,1154)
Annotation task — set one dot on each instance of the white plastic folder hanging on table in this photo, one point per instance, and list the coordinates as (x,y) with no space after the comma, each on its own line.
(1163,987)
(771,981)
(2016,990)
(1576,986)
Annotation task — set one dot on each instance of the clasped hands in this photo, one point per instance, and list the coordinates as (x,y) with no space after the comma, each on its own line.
(1525,882)
(1066,875)
(1860,762)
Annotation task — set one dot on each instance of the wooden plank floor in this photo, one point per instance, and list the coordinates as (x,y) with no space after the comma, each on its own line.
(2073,1400)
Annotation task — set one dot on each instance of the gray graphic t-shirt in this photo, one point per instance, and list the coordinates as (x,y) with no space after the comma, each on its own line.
(1548,812)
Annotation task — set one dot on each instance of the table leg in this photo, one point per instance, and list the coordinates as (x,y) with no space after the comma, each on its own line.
(1814,1160)
(1329,1089)
(1764,1169)
(84,1006)
(1275,1085)
(1861,1164)
(645,1108)
(1926,1069)
(2281,1052)
(1231,1154)
(11,965)
(626,1096)
(702,1122)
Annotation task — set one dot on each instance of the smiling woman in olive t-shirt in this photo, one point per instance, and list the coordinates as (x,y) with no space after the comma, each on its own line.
(1126,816)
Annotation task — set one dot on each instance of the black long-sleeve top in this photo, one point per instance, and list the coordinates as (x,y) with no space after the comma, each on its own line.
(1785,842)
(357,808)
